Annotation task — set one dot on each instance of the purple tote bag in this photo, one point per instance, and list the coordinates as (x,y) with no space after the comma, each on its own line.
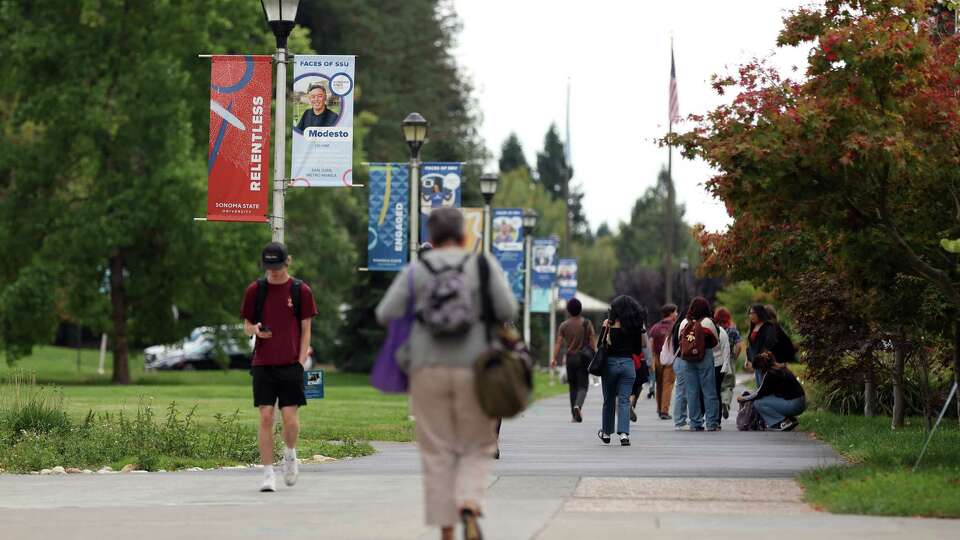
(387,375)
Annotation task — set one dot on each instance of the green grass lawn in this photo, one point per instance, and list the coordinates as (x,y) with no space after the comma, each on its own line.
(350,410)
(878,480)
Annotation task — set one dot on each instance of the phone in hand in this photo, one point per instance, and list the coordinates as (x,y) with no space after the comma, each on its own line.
(264,329)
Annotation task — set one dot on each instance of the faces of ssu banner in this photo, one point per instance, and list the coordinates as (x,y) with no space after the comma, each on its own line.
(439,188)
(508,245)
(323,121)
(567,278)
(389,219)
(544,276)
(238,165)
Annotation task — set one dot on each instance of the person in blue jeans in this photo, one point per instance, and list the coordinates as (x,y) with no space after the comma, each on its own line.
(625,336)
(780,398)
(699,378)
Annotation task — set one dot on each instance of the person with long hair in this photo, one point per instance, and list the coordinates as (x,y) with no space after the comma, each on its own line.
(626,336)
(726,372)
(671,348)
(699,376)
(762,336)
(780,397)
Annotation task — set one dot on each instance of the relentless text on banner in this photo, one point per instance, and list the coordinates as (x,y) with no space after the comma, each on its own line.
(388,217)
(473,223)
(439,188)
(567,278)
(323,121)
(507,230)
(238,162)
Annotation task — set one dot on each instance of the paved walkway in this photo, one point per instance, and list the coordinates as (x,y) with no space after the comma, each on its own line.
(555,481)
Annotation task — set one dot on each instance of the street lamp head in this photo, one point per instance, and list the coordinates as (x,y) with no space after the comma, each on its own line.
(280,16)
(415,128)
(684,266)
(488,186)
(529,220)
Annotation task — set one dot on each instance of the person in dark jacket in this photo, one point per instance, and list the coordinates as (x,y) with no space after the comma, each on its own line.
(762,336)
(626,336)
(780,397)
(784,350)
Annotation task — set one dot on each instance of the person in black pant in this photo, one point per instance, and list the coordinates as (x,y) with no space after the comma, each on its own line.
(576,333)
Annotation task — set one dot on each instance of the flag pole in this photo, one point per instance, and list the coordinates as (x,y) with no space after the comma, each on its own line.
(669,220)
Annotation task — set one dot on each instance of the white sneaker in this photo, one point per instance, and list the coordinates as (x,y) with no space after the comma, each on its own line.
(269,481)
(290,466)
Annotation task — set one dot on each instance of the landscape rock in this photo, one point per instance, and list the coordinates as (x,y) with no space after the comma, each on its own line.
(74,470)
(87,471)
(58,470)
(106,470)
(46,471)
(129,467)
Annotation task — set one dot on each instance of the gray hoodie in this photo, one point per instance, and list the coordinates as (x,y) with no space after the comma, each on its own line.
(424,348)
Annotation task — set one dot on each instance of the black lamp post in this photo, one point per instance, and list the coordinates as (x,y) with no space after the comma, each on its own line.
(530,217)
(415,128)
(488,188)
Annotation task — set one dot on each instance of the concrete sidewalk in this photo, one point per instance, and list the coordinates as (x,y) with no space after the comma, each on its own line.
(555,481)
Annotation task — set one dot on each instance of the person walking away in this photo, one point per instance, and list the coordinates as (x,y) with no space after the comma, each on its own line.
(642,377)
(663,365)
(698,337)
(625,337)
(576,333)
(726,377)
(680,411)
(780,397)
(761,338)
(278,310)
(456,439)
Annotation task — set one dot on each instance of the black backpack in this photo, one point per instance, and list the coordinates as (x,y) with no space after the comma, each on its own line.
(262,297)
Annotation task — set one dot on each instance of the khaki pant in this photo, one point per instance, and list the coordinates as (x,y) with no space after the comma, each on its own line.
(665,380)
(456,440)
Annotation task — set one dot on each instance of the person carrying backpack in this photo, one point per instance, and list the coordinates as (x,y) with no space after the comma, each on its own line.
(455,437)
(578,335)
(278,309)
(698,336)
(625,337)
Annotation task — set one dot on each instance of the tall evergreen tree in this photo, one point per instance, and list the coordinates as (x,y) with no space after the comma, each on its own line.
(552,168)
(511,155)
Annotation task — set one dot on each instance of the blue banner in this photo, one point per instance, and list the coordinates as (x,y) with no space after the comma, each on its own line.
(439,188)
(388,217)
(507,231)
(313,384)
(567,278)
(544,276)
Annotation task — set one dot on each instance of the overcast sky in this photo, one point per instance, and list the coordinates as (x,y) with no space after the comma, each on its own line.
(616,53)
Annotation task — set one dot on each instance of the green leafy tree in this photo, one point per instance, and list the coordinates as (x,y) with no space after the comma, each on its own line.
(641,242)
(511,155)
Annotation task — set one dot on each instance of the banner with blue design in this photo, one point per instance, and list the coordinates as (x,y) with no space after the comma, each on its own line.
(567,278)
(544,257)
(322,121)
(439,188)
(388,217)
(507,231)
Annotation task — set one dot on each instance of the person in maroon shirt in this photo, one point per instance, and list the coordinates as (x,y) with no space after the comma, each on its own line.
(663,367)
(282,345)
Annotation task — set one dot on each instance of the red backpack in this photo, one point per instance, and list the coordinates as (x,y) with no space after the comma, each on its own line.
(695,339)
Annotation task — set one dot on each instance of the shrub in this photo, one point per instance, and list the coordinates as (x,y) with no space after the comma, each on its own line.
(25,407)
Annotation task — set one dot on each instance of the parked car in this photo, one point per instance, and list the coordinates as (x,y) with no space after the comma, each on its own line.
(199,350)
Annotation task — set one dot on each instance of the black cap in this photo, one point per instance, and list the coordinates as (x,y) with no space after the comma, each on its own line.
(274,256)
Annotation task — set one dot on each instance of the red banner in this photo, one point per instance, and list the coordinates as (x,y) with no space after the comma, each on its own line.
(238,169)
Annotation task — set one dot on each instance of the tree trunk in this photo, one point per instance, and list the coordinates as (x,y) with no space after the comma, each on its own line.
(869,396)
(899,405)
(118,300)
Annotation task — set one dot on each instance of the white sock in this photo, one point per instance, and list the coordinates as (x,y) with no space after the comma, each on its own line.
(268,470)
(290,453)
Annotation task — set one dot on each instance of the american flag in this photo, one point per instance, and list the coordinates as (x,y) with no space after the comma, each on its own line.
(674,100)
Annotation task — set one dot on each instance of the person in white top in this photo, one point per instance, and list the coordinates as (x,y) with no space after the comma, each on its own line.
(699,375)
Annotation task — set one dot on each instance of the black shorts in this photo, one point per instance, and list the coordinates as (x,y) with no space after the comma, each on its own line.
(283,383)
